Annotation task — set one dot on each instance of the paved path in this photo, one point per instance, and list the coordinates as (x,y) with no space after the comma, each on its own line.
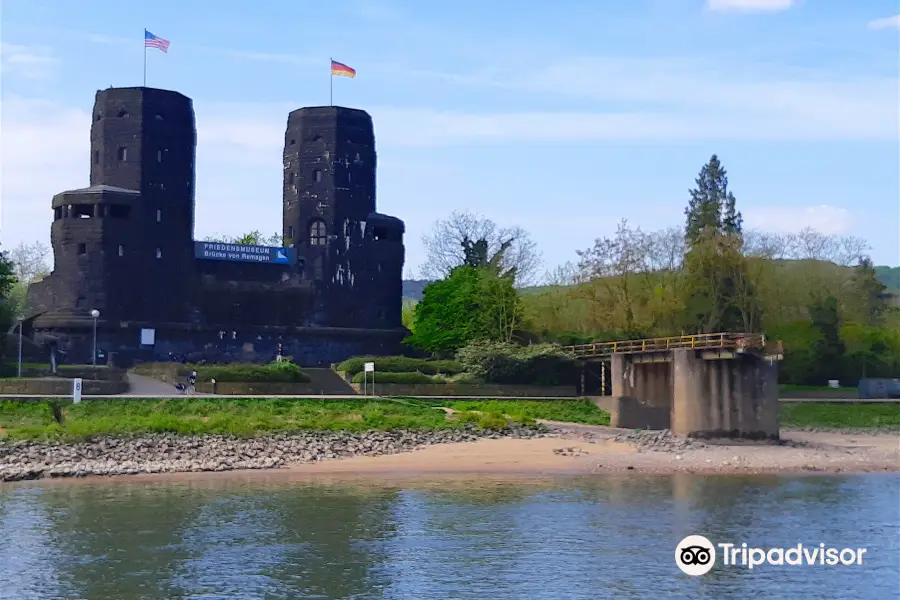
(138,385)
(171,392)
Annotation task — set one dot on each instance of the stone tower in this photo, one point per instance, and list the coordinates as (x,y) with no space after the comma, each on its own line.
(353,254)
(124,244)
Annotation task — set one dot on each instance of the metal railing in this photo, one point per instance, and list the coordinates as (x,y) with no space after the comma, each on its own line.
(705,341)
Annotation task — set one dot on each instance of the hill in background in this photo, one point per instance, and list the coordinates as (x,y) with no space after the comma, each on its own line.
(889,276)
(412,288)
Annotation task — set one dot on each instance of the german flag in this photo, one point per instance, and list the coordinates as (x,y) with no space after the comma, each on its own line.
(342,69)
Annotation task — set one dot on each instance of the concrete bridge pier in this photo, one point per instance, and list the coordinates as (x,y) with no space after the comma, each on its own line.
(733,396)
(641,391)
(695,393)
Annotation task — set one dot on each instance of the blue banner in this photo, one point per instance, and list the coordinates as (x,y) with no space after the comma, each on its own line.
(271,255)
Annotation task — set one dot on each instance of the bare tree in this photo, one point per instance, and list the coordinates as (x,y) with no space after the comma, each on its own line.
(31,262)
(761,244)
(815,245)
(665,249)
(614,261)
(251,238)
(445,246)
(625,253)
(563,275)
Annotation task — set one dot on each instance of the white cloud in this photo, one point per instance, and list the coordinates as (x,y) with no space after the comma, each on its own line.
(749,5)
(830,220)
(885,23)
(33,62)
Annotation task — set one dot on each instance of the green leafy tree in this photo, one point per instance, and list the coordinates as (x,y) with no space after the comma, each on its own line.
(477,301)
(868,299)
(444,319)
(7,309)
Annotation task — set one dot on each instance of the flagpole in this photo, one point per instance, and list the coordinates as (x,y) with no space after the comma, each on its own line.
(145,58)
(330,83)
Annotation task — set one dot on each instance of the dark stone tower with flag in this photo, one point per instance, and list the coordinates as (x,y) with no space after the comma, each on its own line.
(353,253)
(124,246)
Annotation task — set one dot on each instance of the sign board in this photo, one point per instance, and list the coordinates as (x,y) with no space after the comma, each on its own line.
(76,391)
(834,383)
(369,367)
(148,337)
(271,255)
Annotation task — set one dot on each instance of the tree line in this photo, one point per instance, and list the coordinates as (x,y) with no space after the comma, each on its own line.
(819,294)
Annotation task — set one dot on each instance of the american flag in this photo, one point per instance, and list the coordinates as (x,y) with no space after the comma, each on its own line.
(154,41)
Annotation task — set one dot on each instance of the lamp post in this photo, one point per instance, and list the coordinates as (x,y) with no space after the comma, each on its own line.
(21,321)
(95,314)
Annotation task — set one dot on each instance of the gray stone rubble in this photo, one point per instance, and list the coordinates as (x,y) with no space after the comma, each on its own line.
(661,441)
(169,453)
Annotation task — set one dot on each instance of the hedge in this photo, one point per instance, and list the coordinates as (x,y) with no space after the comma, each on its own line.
(241,372)
(401,364)
(388,377)
(537,364)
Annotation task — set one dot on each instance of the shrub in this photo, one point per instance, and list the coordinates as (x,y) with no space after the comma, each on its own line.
(244,372)
(498,362)
(388,377)
(400,364)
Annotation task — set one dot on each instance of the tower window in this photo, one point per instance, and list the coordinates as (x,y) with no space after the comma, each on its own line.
(291,231)
(293,142)
(82,211)
(317,235)
(98,116)
(158,215)
(57,213)
(123,154)
(158,253)
(82,248)
(96,157)
(121,250)
(290,178)
(159,154)
(119,211)
(123,113)
(317,176)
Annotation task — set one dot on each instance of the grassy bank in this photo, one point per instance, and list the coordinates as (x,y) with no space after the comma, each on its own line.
(568,411)
(241,417)
(815,388)
(841,415)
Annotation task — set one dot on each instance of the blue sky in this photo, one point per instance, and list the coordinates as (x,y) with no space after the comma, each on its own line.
(559,117)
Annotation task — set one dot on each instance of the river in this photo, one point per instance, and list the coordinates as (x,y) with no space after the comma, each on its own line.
(279,537)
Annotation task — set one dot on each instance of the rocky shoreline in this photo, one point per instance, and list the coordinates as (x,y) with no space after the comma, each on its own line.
(169,453)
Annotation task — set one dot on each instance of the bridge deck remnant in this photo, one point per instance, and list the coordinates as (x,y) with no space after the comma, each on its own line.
(738,342)
(704,385)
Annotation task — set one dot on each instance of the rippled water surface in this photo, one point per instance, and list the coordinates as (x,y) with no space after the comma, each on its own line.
(597,537)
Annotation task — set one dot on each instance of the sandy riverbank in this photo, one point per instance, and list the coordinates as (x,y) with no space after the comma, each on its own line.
(591,449)
(563,450)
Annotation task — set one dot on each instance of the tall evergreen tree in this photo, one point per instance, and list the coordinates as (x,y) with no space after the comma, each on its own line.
(719,295)
(712,209)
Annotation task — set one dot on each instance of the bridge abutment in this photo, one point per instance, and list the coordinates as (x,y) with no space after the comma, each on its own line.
(641,392)
(735,396)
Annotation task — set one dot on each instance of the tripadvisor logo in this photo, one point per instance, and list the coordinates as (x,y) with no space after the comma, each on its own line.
(695,555)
